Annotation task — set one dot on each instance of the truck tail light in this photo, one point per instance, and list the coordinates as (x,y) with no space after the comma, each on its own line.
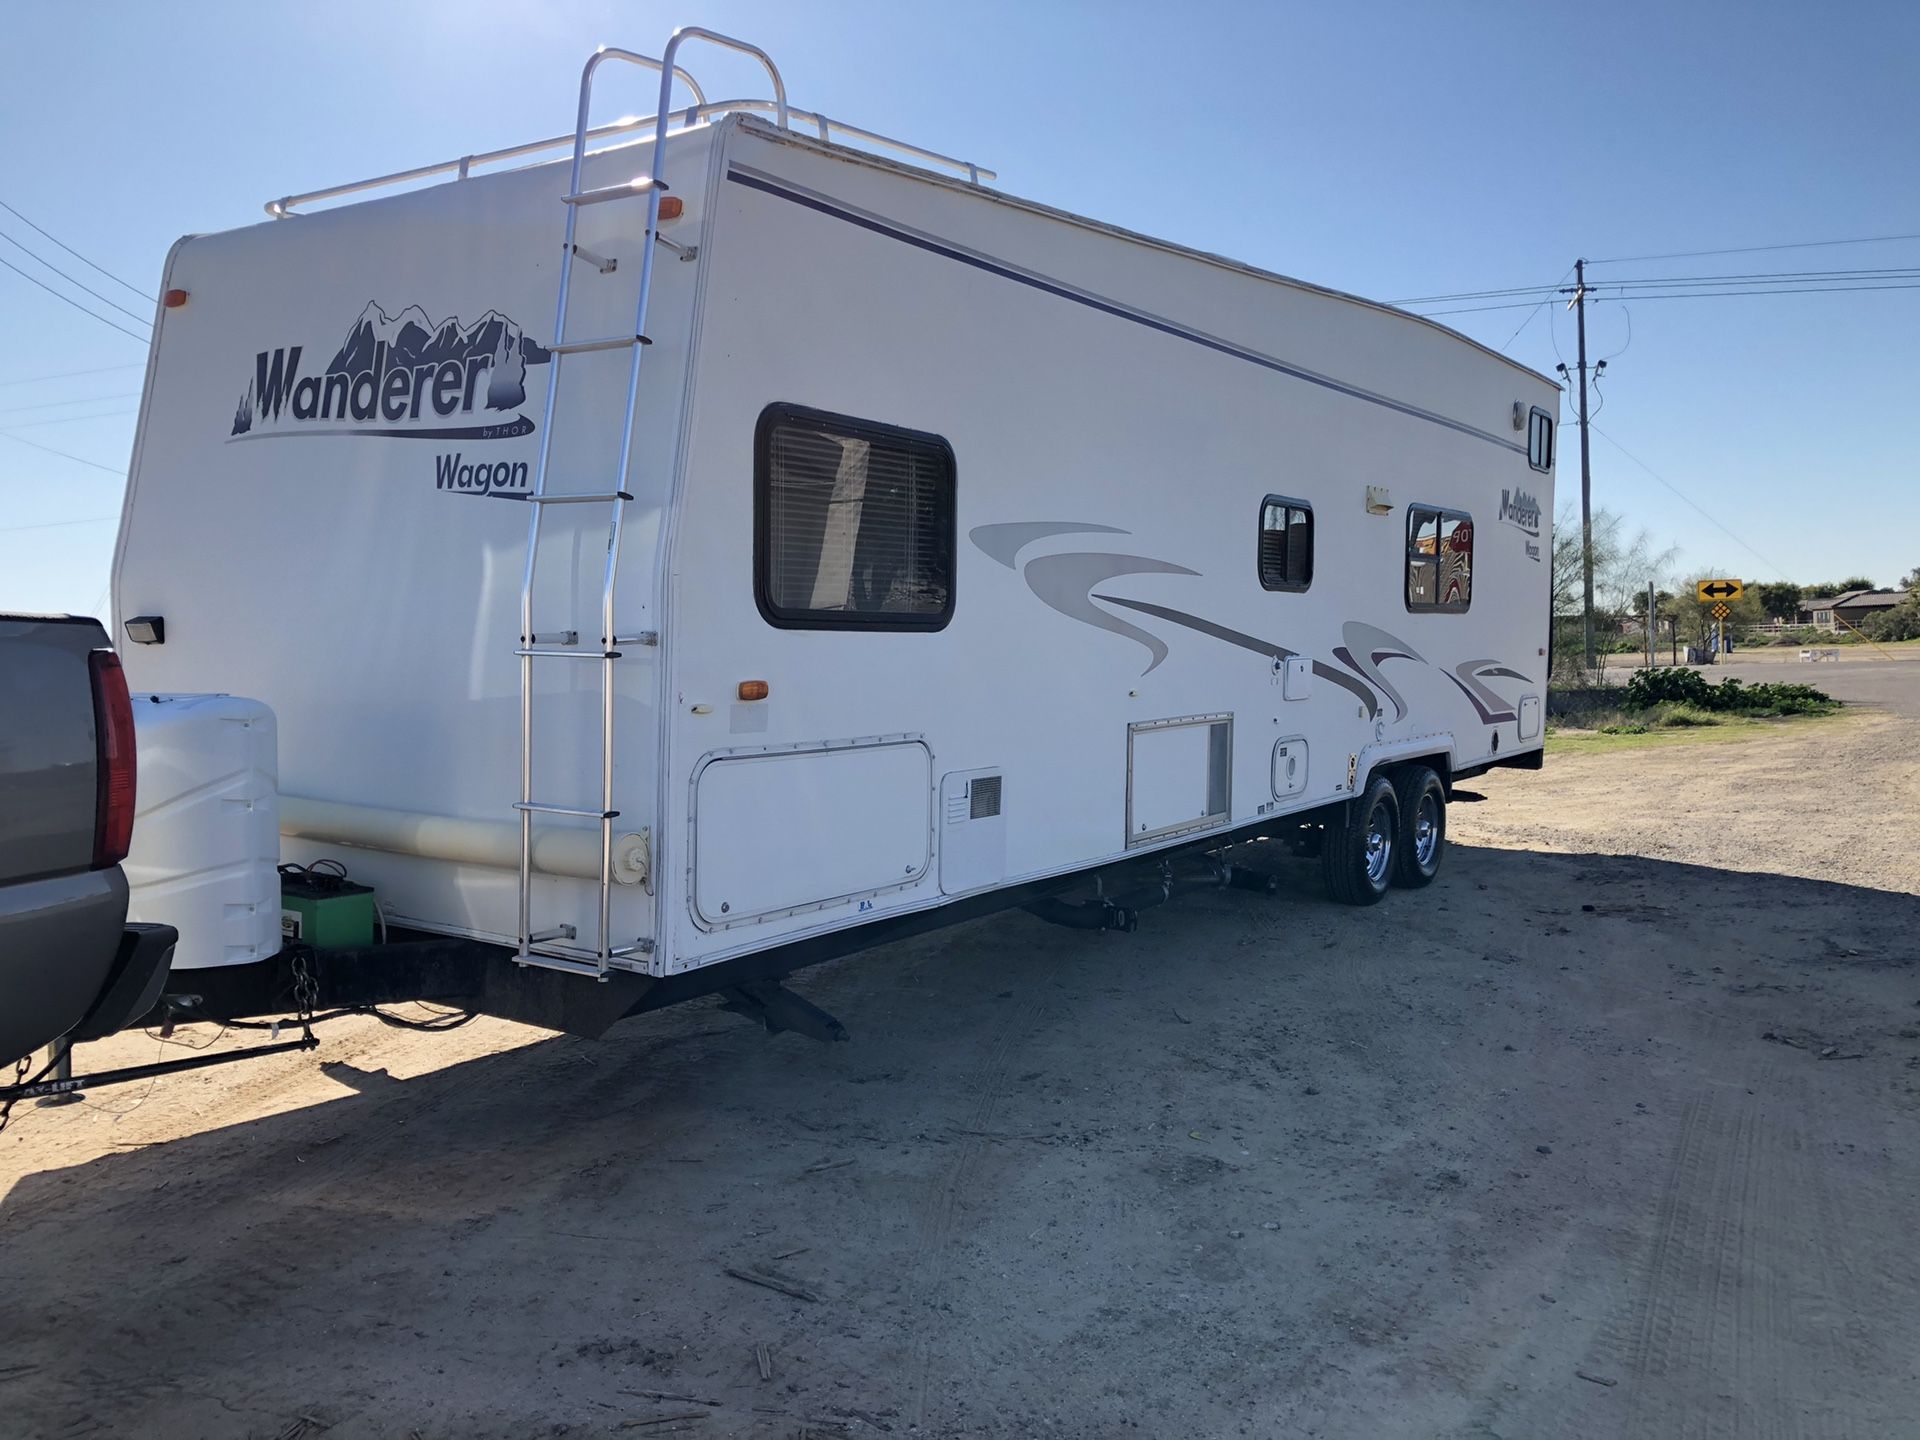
(113,724)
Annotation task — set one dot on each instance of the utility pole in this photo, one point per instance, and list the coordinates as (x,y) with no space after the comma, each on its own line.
(1579,306)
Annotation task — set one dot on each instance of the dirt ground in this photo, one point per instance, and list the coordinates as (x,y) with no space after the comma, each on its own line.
(1615,1131)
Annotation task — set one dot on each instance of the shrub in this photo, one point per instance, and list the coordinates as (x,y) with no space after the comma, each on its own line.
(1686,717)
(1665,685)
(1689,689)
(1902,622)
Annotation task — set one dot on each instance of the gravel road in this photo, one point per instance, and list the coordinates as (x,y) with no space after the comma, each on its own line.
(1615,1131)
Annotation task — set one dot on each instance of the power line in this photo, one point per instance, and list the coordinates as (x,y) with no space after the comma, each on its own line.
(74,419)
(1477,309)
(75,303)
(78,460)
(1787,290)
(1678,295)
(1757,249)
(1481,294)
(1898,272)
(70,374)
(77,284)
(1777,569)
(1629,345)
(1745,282)
(1535,311)
(75,253)
(57,524)
(62,404)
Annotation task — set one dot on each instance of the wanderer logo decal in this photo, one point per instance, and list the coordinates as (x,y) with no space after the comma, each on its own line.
(402,376)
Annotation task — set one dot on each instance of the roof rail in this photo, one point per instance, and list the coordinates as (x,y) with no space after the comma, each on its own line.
(701,112)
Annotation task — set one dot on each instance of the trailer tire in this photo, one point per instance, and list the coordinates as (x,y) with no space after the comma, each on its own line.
(1423,826)
(1356,856)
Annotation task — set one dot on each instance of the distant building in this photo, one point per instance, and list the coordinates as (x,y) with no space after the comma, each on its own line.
(1817,611)
(1841,612)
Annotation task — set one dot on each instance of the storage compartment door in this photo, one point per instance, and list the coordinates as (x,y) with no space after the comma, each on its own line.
(1529,717)
(781,832)
(1179,776)
(1289,767)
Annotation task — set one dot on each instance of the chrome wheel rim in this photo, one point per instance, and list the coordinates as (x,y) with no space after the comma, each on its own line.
(1426,831)
(1379,846)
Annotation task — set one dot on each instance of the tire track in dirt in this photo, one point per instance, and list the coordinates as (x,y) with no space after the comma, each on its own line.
(1720,1339)
(931,1268)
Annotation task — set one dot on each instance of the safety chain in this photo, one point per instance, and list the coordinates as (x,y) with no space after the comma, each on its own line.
(306,993)
(20,1069)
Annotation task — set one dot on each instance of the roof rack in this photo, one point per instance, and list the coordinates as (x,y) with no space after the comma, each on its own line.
(701,112)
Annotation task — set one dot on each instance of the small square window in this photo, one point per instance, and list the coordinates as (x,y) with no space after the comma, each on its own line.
(1439,559)
(1286,543)
(1540,440)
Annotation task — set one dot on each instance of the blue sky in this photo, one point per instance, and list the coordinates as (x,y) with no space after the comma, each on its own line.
(1395,150)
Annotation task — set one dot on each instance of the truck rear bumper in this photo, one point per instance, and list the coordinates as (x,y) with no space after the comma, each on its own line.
(59,940)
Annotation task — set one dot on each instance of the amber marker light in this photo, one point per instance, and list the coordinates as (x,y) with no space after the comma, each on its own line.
(174,299)
(672,207)
(753,689)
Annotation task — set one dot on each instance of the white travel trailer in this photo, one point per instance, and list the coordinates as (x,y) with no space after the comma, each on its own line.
(862,548)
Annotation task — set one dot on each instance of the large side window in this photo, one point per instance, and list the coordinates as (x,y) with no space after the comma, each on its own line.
(1439,558)
(1286,543)
(853,523)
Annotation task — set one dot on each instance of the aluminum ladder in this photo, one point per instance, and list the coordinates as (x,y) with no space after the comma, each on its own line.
(557,947)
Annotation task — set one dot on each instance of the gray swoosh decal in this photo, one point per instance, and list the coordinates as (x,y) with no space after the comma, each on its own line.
(1205,627)
(1467,675)
(1250,642)
(1062,581)
(1373,646)
(1004,542)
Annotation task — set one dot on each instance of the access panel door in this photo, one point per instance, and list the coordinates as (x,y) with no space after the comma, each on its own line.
(1179,776)
(783,831)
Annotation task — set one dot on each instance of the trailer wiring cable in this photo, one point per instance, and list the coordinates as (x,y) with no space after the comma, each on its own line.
(305,992)
(120,1113)
(445,1020)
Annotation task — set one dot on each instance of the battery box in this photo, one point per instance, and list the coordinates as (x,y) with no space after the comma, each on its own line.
(326,913)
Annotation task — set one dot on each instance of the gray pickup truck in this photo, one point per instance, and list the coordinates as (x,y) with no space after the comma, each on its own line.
(70,965)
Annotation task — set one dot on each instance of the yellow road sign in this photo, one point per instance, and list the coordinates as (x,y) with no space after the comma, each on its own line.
(1720,612)
(1719,590)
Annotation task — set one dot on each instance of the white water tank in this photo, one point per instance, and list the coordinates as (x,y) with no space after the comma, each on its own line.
(206,826)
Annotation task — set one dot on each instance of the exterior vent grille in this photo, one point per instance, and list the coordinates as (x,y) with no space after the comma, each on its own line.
(984,795)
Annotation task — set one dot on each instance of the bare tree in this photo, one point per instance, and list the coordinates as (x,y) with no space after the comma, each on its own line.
(1624,560)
